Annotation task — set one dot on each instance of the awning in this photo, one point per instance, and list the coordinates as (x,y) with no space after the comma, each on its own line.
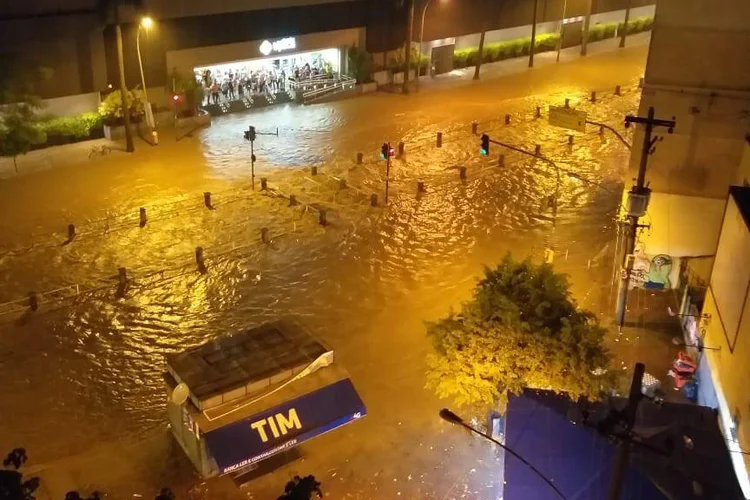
(264,434)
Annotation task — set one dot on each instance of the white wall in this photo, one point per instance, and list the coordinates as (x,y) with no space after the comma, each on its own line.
(71,105)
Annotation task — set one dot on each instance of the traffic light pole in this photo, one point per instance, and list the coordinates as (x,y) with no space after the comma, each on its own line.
(387,172)
(252,163)
(639,190)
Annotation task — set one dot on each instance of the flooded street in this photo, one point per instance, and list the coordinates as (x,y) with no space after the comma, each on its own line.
(82,377)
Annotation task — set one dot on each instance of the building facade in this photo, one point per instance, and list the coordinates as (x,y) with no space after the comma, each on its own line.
(696,72)
(75,38)
(724,329)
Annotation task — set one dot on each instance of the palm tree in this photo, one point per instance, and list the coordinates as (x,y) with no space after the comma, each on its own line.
(109,13)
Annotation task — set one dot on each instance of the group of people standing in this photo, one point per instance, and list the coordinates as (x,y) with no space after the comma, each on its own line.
(237,83)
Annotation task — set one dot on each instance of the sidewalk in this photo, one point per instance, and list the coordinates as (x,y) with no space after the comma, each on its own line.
(507,67)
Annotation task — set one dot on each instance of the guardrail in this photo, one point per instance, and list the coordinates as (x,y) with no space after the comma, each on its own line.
(345,83)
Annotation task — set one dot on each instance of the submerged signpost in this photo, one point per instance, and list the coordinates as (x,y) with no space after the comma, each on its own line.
(565,117)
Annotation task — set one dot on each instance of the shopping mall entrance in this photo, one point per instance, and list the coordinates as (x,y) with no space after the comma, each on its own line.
(251,83)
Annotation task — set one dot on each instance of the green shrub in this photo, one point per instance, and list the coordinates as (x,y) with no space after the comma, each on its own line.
(71,126)
(460,57)
(546,42)
(111,107)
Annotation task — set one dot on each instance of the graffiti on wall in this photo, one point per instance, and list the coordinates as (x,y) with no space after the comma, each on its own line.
(652,272)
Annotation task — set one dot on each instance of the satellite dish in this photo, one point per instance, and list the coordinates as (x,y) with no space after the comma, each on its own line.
(180,394)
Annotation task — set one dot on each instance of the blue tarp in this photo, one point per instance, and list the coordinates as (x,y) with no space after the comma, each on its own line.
(250,440)
(573,457)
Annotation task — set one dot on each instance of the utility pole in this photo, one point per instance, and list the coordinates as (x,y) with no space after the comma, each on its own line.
(625,26)
(586,25)
(480,53)
(637,204)
(533,35)
(407,47)
(627,422)
(562,27)
(129,147)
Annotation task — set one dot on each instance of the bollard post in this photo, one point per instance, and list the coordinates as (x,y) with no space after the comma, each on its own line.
(501,161)
(263,184)
(507,119)
(373,200)
(33,301)
(462,173)
(570,139)
(601,129)
(567,103)
(593,96)
(617,90)
(439,140)
(538,112)
(322,218)
(122,282)
(292,200)
(264,235)
(474,127)
(342,183)
(359,158)
(142,216)
(420,187)
(401,147)
(313,170)
(71,232)
(538,150)
(199,260)
(207,200)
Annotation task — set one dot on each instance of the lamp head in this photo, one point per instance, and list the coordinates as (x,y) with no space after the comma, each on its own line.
(147,22)
(449,416)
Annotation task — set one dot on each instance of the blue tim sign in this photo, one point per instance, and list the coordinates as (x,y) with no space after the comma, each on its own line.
(253,439)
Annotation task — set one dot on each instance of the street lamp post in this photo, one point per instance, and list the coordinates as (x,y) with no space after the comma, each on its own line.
(145,23)
(421,39)
(451,417)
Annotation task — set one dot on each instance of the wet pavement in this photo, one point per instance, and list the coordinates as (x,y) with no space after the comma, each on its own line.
(82,387)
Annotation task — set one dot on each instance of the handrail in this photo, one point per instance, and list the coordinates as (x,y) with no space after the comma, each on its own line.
(343,84)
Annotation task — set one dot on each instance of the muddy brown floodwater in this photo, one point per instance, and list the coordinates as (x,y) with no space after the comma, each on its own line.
(84,376)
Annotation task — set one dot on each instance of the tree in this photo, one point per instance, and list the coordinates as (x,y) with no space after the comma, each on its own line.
(12,485)
(19,129)
(521,329)
(302,488)
(109,13)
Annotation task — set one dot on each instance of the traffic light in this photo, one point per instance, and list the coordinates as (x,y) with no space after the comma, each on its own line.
(384,151)
(250,133)
(485,148)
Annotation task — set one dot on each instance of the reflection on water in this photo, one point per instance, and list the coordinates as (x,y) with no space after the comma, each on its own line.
(92,370)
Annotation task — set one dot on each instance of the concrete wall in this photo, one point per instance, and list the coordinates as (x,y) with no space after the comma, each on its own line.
(728,328)
(72,105)
(698,72)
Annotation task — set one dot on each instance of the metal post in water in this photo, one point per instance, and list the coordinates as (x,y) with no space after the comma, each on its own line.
(420,187)
(593,96)
(263,184)
(373,200)
(292,200)
(538,150)
(570,139)
(507,119)
(322,218)
(71,232)
(199,260)
(313,170)
(474,127)
(207,200)
(264,235)
(142,216)
(33,301)
(439,141)
(567,103)
(342,184)
(359,158)
(122,282)
(618,90)
(501,161)
(401,148)
(462,173)
(538,112)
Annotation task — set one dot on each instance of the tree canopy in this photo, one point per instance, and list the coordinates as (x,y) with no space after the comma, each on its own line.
(522,328)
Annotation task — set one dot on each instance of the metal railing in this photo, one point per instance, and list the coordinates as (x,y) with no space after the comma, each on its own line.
(326,88)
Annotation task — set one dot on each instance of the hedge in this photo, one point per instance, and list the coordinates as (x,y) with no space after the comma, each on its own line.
(545,42)
(78,126)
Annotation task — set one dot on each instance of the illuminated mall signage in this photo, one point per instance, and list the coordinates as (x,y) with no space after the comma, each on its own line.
(267,47)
